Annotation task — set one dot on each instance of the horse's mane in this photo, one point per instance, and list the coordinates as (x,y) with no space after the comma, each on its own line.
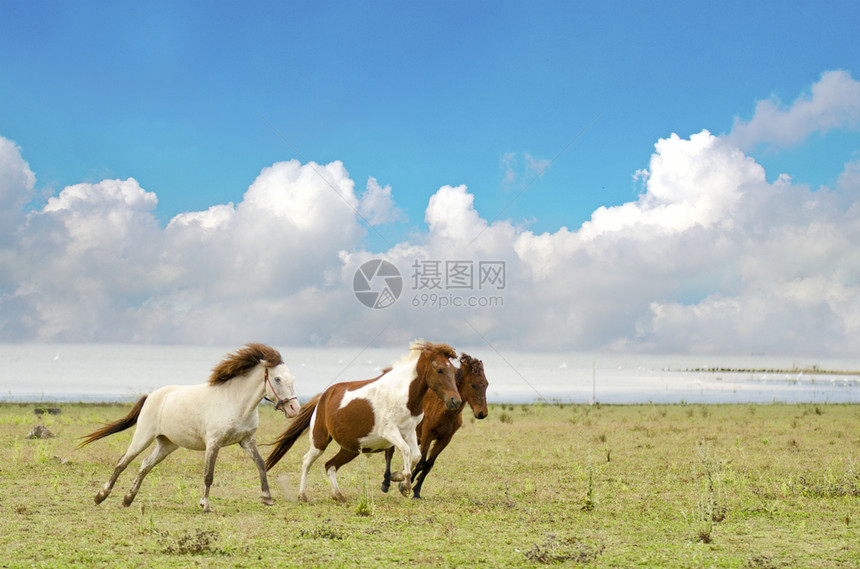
(243,361)
(475,366)
(443,349)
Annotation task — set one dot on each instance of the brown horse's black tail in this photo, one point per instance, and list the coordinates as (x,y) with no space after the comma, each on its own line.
(116,426)
(299,425)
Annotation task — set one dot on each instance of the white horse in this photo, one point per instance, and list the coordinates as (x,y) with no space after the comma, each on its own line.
(206,417)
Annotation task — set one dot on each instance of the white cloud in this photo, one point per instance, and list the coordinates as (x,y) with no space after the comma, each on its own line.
(16,188)
(711,257)
(377,206)
(515,174)
(832,103)
(451,215)
(79,259)
(508,164)
(690,182)
(93,263)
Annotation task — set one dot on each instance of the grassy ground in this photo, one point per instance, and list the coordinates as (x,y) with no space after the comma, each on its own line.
(606,486)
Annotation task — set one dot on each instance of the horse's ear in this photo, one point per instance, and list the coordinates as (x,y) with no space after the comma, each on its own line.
(465,358)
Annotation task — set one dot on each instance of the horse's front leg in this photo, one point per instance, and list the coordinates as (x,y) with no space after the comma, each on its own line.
(408,447)
(209,474)
(250,447)
(428,459)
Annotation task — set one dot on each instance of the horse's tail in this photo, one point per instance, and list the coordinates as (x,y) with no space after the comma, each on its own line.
(116,426)
(299,425)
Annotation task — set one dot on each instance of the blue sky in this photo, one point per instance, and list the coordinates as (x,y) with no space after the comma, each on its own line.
(453,108)
(177,95)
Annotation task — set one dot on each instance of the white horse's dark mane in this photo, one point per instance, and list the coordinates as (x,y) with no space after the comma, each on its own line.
(243,361)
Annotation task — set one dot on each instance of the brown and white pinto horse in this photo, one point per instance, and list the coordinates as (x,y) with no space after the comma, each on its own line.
(206,417)
(373,415)
(440,423)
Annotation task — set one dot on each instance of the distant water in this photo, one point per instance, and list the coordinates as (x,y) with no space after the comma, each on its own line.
(102,372)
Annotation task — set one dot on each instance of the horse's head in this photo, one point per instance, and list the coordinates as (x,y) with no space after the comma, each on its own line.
(257,358)
(280,383)
(434,365)
(472,384)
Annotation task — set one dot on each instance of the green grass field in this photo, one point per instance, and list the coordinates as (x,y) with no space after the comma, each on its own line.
(760,486)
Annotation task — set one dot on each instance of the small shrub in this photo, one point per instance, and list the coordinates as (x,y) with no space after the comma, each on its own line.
(589,493)
(190,542)
(761,562)
(365,503)
(570,550)
(712,506)
(364,507)
(322,533)
(705,534)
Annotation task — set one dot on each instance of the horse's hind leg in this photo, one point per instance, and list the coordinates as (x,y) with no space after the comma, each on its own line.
(120,466)
(386,478)
(163,447)
(342,457)
(137,446)
(310,457)
(250,446)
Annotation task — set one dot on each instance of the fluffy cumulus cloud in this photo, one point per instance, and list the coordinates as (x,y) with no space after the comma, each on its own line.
(95,265)
(832,103)
(710,257)
(377,205)
(16,188)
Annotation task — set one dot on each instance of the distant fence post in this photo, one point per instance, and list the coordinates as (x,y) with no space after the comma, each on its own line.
(593,382)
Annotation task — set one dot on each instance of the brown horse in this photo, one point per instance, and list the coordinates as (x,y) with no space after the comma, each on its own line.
(440,424)
(373,415)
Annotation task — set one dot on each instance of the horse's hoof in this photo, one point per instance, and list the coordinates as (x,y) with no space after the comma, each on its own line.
(127,500)
(405,488)
(100,497)
(340,498)
(385,487)
(303,497)
(416,496)
(268,501)
(397,477)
